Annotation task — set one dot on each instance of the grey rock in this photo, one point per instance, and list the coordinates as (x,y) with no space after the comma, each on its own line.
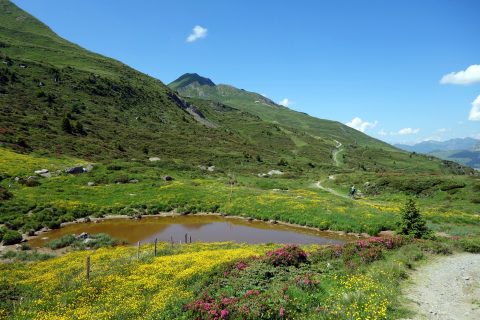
(74,170)
(154,159)
(91,184)
(275,172)
(41,171)
(83,236)
(88,167)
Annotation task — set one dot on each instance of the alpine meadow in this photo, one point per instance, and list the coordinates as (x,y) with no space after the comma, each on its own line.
(123,197)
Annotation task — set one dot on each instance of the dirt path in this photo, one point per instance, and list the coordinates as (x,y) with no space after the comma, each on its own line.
(338,149)
(334,192)
(448,288)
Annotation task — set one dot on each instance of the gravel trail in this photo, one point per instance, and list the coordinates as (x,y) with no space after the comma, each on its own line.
(448,288)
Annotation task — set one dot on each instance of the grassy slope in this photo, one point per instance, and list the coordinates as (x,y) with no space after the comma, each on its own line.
(362,151)
(124,113)
(127,115)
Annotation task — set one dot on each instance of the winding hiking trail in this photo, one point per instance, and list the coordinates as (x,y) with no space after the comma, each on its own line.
(446,289)
(334,192)
(335,152)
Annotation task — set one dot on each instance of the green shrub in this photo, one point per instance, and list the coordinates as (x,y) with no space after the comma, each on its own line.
(11,237)
(436,247)
(452,185)
(96,241)
(470,245)
(53,224)
(9,295)
(5,194)
(26,255)
(62,242)
(413,223)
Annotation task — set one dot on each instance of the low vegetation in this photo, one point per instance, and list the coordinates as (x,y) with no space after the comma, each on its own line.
(93,241)
(219,281)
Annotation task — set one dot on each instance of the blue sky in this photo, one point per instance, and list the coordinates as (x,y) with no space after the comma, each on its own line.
(380,61)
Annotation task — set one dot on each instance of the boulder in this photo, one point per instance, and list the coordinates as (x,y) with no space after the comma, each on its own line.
(41,171)
(133,181)
(75,170)
(88,167)
(83,236)
(167,178)
(91,184)
(274,172)
(154,159)
(211,168)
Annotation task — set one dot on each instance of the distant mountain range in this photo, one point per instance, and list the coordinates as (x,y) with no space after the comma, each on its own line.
(462,150)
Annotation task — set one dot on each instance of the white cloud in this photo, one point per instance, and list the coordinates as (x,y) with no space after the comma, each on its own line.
(464,77)
(408,131)
(360,125)
(198,32)
(284,102)
(382,133)
(475,111)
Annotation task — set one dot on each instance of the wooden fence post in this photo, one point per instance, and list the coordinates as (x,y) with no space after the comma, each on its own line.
(190,239)
(186,239)
(138,250)
(155,248)
(171,240)
(88,268)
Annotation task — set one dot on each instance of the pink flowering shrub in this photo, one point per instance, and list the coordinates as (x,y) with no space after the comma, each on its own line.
(209,308)
(251,305)
(386,242)
(307,281)
(289,255)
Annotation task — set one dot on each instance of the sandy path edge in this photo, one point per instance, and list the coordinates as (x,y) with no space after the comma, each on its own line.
(447,288)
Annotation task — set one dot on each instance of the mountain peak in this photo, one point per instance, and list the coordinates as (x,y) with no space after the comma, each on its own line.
(191,78)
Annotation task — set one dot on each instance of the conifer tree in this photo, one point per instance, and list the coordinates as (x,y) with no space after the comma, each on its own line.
(67,126)
(412,221)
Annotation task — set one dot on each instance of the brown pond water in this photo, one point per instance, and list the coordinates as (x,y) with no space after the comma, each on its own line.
(200,227)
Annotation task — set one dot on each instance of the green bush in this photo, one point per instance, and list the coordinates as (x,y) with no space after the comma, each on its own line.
(470,245)
(5,194)
(94,241)
(11,237)
(26,255)
(62,242)
(436,247)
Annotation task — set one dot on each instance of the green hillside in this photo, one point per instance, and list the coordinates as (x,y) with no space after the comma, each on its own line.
(189,85)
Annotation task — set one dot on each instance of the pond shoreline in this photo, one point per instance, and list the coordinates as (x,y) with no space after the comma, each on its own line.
(176,214)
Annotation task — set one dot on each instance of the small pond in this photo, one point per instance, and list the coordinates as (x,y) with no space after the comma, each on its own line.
(203,228)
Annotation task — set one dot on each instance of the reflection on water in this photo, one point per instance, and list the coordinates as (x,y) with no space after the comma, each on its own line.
(199,227)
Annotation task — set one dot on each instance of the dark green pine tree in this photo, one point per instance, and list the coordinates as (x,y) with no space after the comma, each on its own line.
(412,221)
(79,128)
(67,126)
